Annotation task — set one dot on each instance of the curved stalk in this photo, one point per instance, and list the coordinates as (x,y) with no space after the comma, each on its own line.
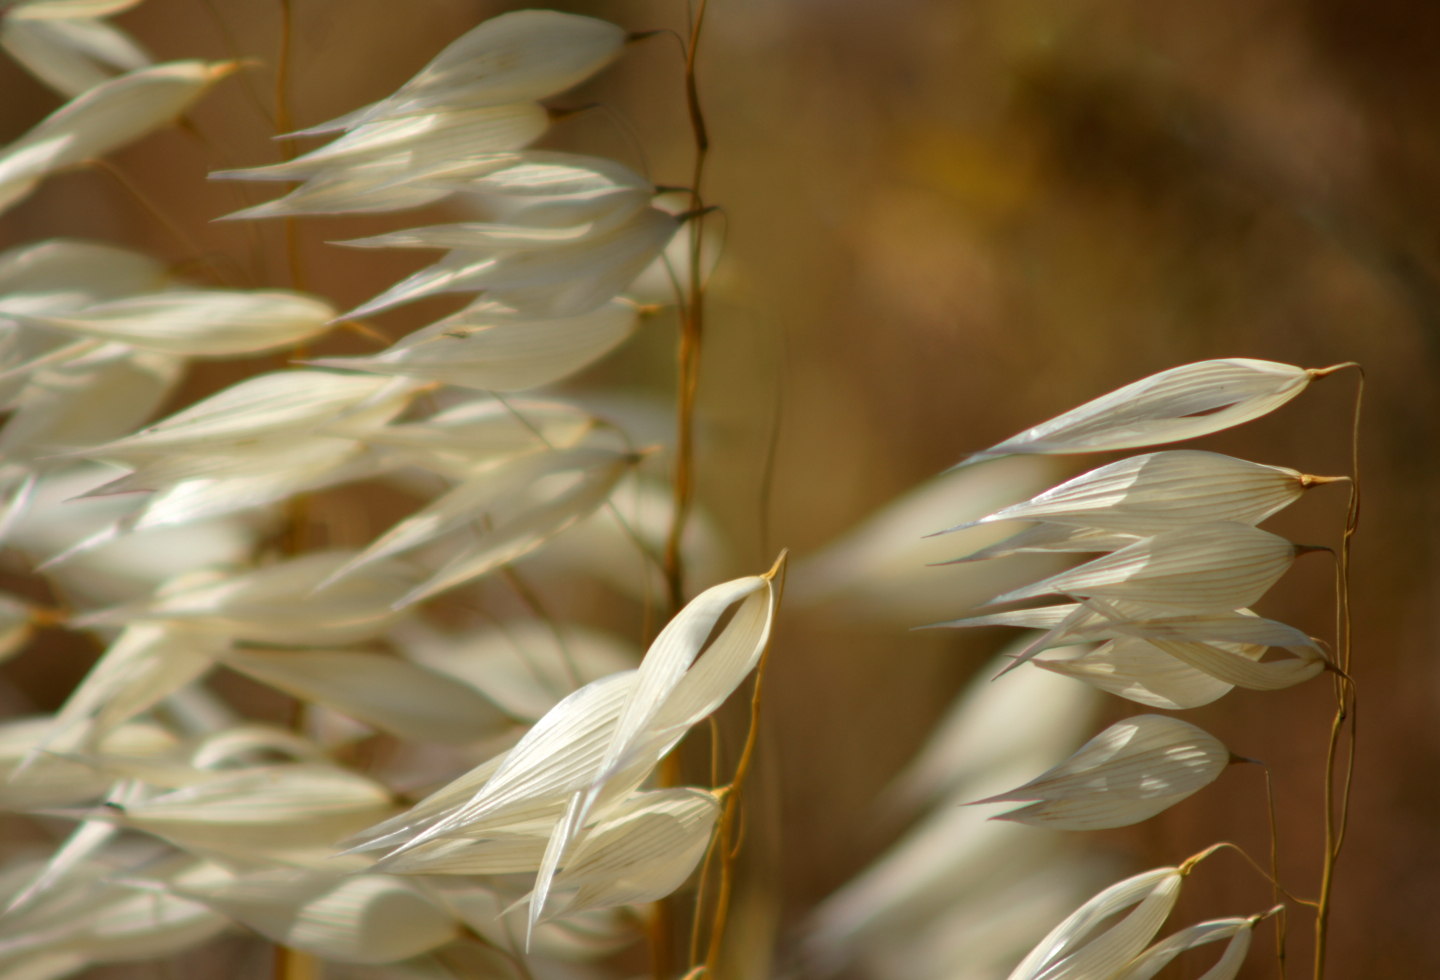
(692,330)
(726,838)
(1335,822)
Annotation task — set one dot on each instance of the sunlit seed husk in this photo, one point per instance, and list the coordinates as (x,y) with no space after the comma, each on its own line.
(50,780)
(1135,670)
(84,401)
(1065,954)
(252,458)
(76,272)
(390,693)
(670,695)
(669,690)
(1157,957)
(1127,773)
(360,919)
(523,530)
(606,546)
(270,795)
(1093,813)
(1182,403)
(210,323)
(516,849)
(483,236)
(1047,537)
(429,811)
(559,190)
(144,664)
(1040,617)
(1202,568)
(1158,492)
(87,840)
(390,183)
(279,603)
(1241,671)
(503,493)
(984,935)
(610,734)
(195,500)
(291,814)
(105,118)
(244,742)
(563,280)
(525,666)
(98,919)
(521,55)
(1231,627)
(286,402)
(435,136)
(478,349)
(558,754)
(1238,631)
(71,54)
(645,850)
(66,9)
(458,440)
(1146,755)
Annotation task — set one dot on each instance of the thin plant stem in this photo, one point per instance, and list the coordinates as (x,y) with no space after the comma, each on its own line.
(729,851)
(1189,864)
(702,889)
(711,850)
(692,330)
(292,964)
(772,451)
(658,934)
(714,751)
(1275,867)
(1335,822)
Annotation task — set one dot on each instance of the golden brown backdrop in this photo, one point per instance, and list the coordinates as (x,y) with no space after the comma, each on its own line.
(946,221)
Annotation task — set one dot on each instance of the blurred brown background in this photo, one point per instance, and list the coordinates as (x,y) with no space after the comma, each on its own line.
(946,221)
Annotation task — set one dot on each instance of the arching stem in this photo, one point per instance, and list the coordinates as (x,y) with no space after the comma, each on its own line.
(1337,818)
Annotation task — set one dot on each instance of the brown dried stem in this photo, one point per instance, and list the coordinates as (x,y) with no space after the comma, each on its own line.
(1336,822)
(726,841)
(692,329)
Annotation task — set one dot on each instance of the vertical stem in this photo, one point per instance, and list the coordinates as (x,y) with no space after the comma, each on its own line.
(1335,823)
(660,933)
(1280,922)
(692,329)
(291,964)
(728,846)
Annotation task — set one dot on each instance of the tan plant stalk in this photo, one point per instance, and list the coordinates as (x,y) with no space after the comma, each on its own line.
(1335,823)
(692,329)
(725,836)
(692,326)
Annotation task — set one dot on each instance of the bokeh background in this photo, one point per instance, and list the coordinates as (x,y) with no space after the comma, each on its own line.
(943,222)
